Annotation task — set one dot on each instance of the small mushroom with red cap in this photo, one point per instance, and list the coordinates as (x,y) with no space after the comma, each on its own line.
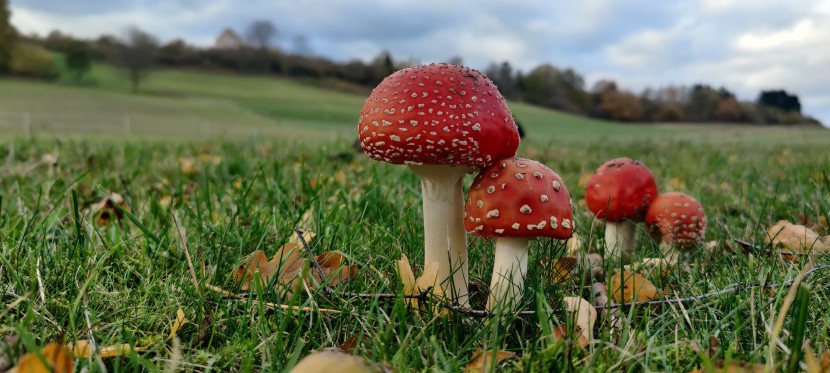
(516,200)
(443,121)
(620,192)
(677,221)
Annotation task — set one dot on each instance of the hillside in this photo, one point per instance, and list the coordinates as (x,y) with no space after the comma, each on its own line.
(177,104)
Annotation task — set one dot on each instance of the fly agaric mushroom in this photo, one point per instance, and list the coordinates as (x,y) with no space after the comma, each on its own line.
(443,121)
(516,200)
(620,192)
(677,221)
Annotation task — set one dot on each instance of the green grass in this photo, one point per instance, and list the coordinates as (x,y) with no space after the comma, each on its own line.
(130,277)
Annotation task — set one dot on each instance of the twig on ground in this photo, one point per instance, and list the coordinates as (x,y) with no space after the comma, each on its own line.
(426,296)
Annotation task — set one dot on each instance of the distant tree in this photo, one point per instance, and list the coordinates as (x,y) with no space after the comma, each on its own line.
(456,60)
(260,33)
(78,59)
(136,54)
(301,46)
(618,105)
(7,36)
(728,110)
(381,67)
(780,99)
(542,86)
(702,103)
(176,53)
(504,78)
(603,86)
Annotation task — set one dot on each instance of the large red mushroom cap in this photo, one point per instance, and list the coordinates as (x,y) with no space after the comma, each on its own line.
(677,220)
(437,114)
(621,189)
(519,197)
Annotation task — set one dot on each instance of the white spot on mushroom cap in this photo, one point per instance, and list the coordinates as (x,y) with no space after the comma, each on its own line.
(525,209)
(491,189)
(499,230)
(520,176)
(557,186)
(492,213)
(543,197)
(515,226)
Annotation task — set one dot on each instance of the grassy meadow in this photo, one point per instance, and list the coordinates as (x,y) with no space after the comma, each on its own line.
(277,155)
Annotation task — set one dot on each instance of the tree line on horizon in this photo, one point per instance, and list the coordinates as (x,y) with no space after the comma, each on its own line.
(546,85)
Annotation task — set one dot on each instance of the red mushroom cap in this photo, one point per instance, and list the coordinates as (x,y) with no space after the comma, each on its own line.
(437,114)
(519,197)
(624,187)
(678,219)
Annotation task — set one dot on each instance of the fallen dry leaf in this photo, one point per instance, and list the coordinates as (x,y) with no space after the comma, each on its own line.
(177,324)
(83,349)
(561,333)
(289,265)
(187,165)
(632,287)
(584,315)
(734,367)
(428,281)
(56,355)
(407,279)
(334,361)
(334,268)
(559,269)
(105,210)
(797,238)
(573,245)
(486,360)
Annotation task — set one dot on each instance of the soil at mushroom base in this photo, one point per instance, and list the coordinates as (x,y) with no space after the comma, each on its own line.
(443,121)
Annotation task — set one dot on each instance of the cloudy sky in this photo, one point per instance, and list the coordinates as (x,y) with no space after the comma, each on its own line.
(743,45)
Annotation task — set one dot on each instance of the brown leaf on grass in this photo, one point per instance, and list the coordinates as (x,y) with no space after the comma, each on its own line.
(106,211)
(819,225)
(584,315)
(583,179)
(559,270)
(56,355)
(334,361)
(632,287)
(210,158)
(797,238)
(734,367)
(560,333)
(334,268)
(486,360)
(573,245)
(407,278)
(428,281)
(83,349)
(177,324)
(187,165)
(289,265)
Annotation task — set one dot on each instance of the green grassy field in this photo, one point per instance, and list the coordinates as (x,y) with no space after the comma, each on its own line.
(67,275)
(179,104)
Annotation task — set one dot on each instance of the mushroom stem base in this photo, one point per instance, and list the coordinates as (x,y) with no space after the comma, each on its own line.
(445,240)
(620,238)
(509,269)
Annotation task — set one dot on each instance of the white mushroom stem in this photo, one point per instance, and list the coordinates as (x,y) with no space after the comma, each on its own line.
(509,269)
(619,238)
(445,240)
